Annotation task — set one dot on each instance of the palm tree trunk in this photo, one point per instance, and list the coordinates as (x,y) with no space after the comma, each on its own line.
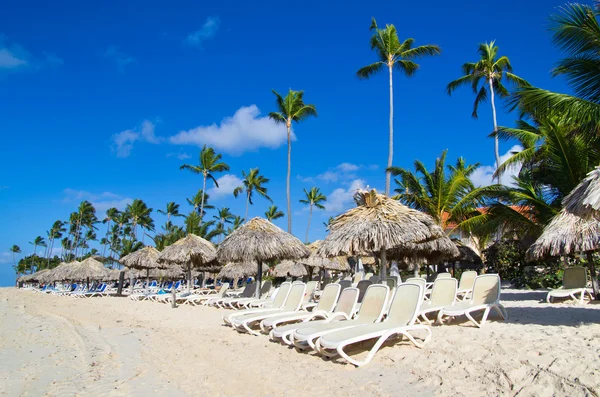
(202,201)
(50,252)
(308,226)
(496,141)
(247,202)
(289,172)
(388,175)
(107,230)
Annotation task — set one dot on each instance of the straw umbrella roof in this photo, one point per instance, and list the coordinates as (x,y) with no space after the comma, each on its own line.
(377,223)
(368,260)
(566,234)
(89,268)
(289,268)
(584,200)
(145,258)
(433,250)
(36,276)
(190,251)
(55,274)
(238,270)
(316,261)
(260,240)
(467,255)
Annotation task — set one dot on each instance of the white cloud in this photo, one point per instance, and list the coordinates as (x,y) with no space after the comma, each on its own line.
(100,201)
(342,199)
(483,176)
(341,172)
(245,131)
(347,167)
(6,258)
(180,155)
(14,57)
(10,60)
(124,140)
(226,183)
(119,57)
(207,31)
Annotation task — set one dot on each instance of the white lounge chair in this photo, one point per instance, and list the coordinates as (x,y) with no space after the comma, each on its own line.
(465,285)
(292,304)
(443,294)
(371,311)
(344,309)
(325,306)
(275,304)
(223,301)
(196,300)
(485,296)
(574,282)
(400,321)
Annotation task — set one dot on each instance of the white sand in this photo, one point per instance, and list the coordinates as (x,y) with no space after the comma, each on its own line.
(52,345)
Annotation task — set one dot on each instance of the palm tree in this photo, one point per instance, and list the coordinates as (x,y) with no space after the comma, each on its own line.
(210,162)
(223,216)
(273,213)
(111,216)
(37,242)
(200,202)
(15,249)
(56,231)
(84,217)
(446,193)
(252,182)
(490,71)
(314,198)
(139,213)
(393,54)
(193,225)
(237,222)
(171,210)
(291,108)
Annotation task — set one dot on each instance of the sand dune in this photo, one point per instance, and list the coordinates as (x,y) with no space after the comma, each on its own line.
(56,346)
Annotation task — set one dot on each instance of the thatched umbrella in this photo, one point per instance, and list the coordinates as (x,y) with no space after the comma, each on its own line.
(467,255)
(37,275)
(89,268)
(584,200)
(376,225)
(58,273)
(289,268)
(317,261)
(188,252)
(569,234)
(238,270)
(260,241)
(145,259)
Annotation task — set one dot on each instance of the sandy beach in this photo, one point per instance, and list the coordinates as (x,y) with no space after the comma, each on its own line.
(58,346)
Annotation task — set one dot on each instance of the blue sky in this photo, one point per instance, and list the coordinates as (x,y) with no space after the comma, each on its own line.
(105,101)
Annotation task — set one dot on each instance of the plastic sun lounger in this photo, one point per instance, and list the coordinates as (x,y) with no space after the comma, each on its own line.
(574,282)
(276,304)
(196,300)
(292,304)
(371,311)
(486,296)
(400,321)
(238,303)
(344,309)
(247,293)
(326,304)
(443,294)
(309,294)
(465,285)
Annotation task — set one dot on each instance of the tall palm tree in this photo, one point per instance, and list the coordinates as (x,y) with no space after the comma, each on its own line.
(393,54)
(237,222)
(252,182)
(200,202)
(15,249)
(289,109)
(446,193)
(111,216)
(314,198)
(37,242)
(223,217)
(56,231)
(171,210)
(85,216)
(490,71)
(210,162)
(273,213)
(139,213)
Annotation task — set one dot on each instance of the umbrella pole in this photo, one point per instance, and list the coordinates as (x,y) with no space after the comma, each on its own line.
(383,271)
(189,279)
(147,278)
(592,267)
(258,280)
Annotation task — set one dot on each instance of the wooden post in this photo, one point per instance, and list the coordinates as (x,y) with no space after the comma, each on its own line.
(173,297)
(592,266)
(259,280)
(121,282)
(383,271)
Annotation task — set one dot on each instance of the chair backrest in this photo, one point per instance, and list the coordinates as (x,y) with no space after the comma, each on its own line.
(467,279)
(443,275)
(392,282)
(282,294)
(373,304)
(443,292)
(298,282)
(418,281)
(373,279)
(345,284)
(328,298)
(574,277)
(264,289)
(295,297)
(486,289)
(224,288)
(405,305)
(311,287)
(347,300)
(357,278)
(362,286)
(177,284)
(249,290)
